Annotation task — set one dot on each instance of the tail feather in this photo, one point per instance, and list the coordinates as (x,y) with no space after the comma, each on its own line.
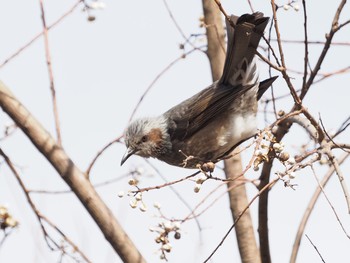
(264,85)
(242,42)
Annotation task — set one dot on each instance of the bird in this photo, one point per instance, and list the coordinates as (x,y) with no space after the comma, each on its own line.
(208,126)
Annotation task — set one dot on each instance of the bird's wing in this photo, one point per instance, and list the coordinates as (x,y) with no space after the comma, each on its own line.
(196,112)
(239,75)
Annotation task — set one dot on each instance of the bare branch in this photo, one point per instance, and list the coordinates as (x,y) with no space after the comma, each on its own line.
(329,202)
(318,252)
(88,170)
(284,72)
(41,217)
(340,174)
(310,42)
(72,175)
(310,208)
(306,56)
(146,189)
(329,37)
(171,64)
(49,67)
(240,215)
(59,20)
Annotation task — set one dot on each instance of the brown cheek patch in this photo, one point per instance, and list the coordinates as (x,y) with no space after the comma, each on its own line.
(155,135)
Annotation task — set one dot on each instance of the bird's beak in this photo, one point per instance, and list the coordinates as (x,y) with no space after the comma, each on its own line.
(127,154)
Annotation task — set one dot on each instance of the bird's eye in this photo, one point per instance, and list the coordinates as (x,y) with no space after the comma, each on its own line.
(144,138)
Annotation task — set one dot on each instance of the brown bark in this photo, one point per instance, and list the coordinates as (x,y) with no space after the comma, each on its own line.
(71,174)
(238,201)
(238,198)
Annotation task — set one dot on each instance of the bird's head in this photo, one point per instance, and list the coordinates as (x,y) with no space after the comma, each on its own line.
(147,137)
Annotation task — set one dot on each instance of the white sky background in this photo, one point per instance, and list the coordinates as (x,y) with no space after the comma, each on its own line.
(101,69)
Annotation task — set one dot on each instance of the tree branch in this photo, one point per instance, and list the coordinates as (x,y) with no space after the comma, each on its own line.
(238,198)
(71,174)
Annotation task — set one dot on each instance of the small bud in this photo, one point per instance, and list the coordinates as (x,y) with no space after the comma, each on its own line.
(138,196)
(201,18)
(132,182)
(296,7)
(264,146)
(181,46)
(168,226)
(140,170)
(166,247)
(91,18)
(286,7)
(3,211)
(97,5)
(158,240)
(284,156)
(201,179)
(281,113)
(177,235)
(257,161)
(152,229)
(323,161)
(291,160)
(208,167)
(157,205)
(274,129)
(133,203)
(10,222)
(197,188)
(258,152)
(162,256)
(277,147)
(292,175)
(143,207)
(121,194)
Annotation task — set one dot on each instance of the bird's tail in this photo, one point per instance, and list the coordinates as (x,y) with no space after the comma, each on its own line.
(242,42)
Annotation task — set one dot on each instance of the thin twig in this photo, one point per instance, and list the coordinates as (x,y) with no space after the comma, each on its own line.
(228,18)
(284,72)
(340,174)
(178,27)
(270,75)
(104,183)
(343,127)
(6,235)
(25,46)
(239,217)
(146,189)
(306,55)
(318,252)
(310,208)
(171,64)
(329,202)
(335,145)
(315,42)
(49,67)
(327,149)
(194,215)
(100,152)
(179,196)
(329,37)
(251,6)
(331,74)
(41,218)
